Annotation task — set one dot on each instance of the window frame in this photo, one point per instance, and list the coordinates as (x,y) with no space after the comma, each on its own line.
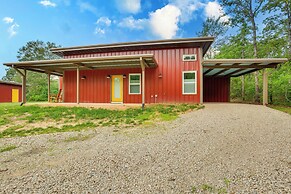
(189,55)
(135,84)
(183,83)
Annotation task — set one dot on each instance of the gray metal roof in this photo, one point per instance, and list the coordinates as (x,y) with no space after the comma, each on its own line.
(10,83)
(203,42)
(238,67)
(58,66)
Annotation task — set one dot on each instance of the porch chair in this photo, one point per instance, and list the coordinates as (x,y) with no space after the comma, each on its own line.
(56,97)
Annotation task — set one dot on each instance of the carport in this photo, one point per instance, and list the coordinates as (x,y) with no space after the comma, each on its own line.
(217,74)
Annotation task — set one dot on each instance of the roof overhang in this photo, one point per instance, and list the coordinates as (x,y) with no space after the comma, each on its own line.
(10,83)
(58,66)
(202,42)
(238,67)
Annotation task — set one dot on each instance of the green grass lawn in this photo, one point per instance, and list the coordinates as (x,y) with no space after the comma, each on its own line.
(18,120)
(286,109)
(7,148)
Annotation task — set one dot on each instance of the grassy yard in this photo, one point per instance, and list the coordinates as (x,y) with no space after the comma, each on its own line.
(7,148)
(286,109)
(18,120)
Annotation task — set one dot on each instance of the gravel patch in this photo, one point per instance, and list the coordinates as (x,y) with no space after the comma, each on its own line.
(236,148)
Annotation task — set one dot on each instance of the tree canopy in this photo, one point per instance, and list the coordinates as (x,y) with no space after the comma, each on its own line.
(36,82)
(250,41)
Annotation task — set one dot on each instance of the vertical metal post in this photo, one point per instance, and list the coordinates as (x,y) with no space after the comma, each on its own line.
(48,86)
(201,74)
(24,87)
(78,84)
(143,82)
(265,87)
(63,92)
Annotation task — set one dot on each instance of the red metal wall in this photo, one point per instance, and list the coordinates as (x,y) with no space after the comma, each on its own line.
(96,87)
(216,89)
(6,92)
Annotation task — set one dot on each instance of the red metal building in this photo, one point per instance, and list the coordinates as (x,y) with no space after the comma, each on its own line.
(10,92)
(164,83)
(161,71)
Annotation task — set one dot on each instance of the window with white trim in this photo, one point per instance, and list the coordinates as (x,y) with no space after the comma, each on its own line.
(189,82)
(134,83)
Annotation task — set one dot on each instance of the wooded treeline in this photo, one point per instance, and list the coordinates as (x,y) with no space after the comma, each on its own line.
(252,38)
(37,87)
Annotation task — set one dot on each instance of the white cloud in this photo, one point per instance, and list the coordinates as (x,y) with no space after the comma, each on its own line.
(13,26)
(104,21)
(164,21)
(214,10)
(8,20)
(85,6)
(132,23)
(99,31)
(102,25)
(47,3)
(12,30)
(129,6)
(188,8)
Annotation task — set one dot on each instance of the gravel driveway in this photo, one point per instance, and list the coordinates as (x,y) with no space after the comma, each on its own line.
(223,148)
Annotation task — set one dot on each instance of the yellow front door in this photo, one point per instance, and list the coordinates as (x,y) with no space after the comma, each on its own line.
(117,88)
(14,95)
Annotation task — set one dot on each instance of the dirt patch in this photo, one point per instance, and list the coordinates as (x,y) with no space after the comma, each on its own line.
(33,151)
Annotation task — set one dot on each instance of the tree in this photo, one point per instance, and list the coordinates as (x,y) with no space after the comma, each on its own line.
(36,82)
(238,46)
(213,27)
(279,23)
(246,11)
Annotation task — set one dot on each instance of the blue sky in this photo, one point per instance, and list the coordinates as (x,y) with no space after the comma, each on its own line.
(85,22)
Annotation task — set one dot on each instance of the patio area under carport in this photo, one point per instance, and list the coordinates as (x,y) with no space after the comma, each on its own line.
(227,68)
(109,106)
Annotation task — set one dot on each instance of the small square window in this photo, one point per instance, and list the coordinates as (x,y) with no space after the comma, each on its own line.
(191,57)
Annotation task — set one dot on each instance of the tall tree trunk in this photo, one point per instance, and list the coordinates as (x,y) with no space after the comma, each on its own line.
(271,94)
(243,77)
(257,87)
(243,87)
(289,27)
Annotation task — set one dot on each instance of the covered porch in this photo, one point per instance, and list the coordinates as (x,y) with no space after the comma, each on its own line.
(221,70)
(58,67)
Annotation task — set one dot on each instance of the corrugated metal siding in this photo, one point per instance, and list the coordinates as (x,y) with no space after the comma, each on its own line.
(216,89)
(96,88)
(6,92)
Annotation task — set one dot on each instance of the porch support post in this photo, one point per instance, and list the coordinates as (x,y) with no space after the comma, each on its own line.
(24,87)
(78,85)
(265,87)
(23,75)
(201,74)
(63,84)
(48,86)
(143,81)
